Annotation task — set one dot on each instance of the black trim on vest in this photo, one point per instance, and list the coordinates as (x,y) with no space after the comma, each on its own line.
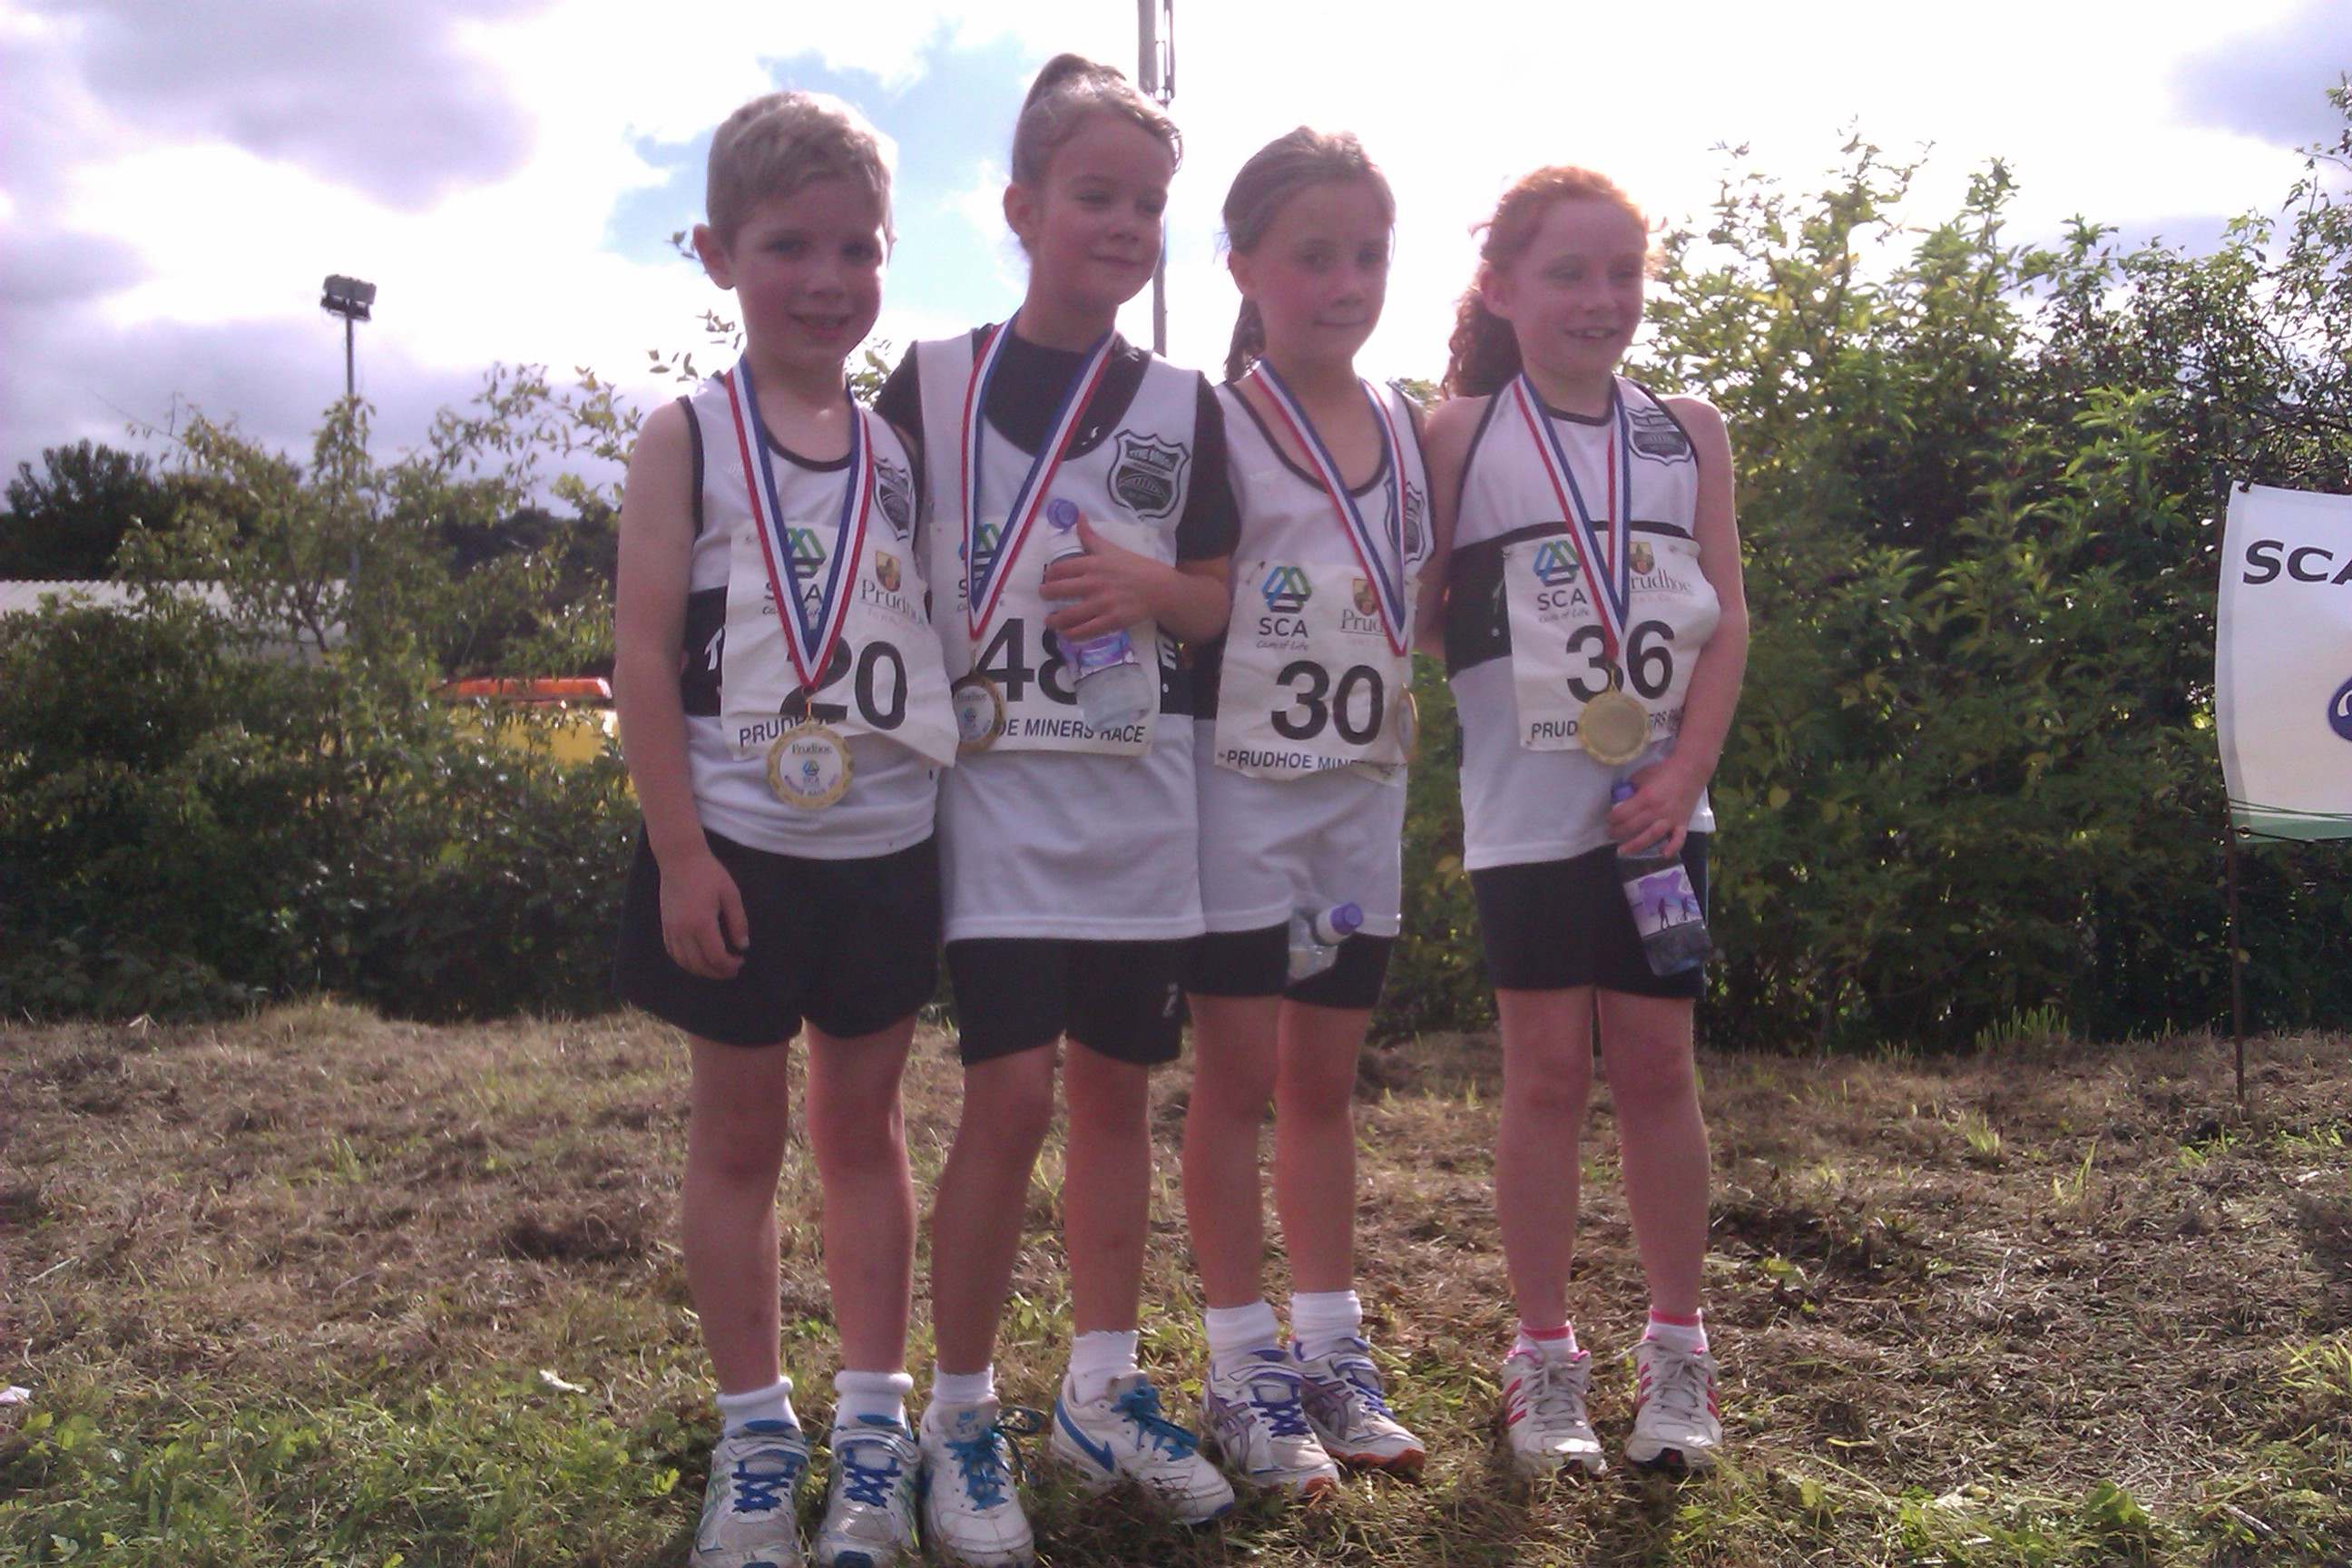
(694,436)
(697,682)
(1313,480)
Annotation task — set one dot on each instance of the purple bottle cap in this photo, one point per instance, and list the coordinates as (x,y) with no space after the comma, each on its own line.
(1620,790)
(1061,513)
(1346,918)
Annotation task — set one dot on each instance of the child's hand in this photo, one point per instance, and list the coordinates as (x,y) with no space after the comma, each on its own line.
(703,927)
(1111,588)
(1657,814)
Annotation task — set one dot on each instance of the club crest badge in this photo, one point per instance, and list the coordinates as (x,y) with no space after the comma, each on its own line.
(1656,436)
(1416,507)
(1148,479)
(885,571)
(896,489)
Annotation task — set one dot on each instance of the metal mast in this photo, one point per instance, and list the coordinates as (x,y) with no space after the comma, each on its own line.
(1155,74)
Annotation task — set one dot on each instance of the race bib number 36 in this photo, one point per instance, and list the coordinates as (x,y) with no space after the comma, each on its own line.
(1310,679)
(1558,646)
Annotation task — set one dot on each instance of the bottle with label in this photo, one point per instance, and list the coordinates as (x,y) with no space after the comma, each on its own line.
(1114,688)
(1665,906)
(1316,934)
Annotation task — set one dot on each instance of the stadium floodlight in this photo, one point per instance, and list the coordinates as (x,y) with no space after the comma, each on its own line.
(352,300)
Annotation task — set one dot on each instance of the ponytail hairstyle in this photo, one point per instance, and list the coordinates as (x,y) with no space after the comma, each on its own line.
(1483,356)
(1275,173)
(1068,88)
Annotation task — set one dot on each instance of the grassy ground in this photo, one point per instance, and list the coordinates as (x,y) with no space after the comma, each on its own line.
(320,1289)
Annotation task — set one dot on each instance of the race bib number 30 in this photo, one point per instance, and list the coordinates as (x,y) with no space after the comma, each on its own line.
(1558,659)
(1310,679)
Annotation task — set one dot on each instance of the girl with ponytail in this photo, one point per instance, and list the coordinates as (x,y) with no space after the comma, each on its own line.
(1595,634)
(1302,746)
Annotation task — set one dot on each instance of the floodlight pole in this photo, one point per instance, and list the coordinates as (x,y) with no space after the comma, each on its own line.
(350,364)
(353,299)
(2237,950)
(1160,83)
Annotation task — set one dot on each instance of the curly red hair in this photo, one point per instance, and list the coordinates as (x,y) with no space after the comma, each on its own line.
(1483,355)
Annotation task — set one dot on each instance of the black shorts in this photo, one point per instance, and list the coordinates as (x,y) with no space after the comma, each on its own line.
(1555,924)
(1258,964)
(1119,999)
(851,945)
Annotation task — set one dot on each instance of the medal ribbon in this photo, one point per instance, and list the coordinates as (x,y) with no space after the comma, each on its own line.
(1368,546)
(987,582)
(809,636)
(1612,593)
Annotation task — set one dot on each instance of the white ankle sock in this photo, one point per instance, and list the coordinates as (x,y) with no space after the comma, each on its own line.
(962,1388)
(1554,1347)
(870,1396)
(1323,1321)
(771,1403)
(1095,1358)
(1234,1331)
(1685,1339)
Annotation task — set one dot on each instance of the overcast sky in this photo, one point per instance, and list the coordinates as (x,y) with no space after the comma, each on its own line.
(175,178)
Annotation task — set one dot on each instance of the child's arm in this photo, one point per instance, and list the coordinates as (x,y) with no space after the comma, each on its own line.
(1445,446)
(1664,794)
(1113,587)
(703,926)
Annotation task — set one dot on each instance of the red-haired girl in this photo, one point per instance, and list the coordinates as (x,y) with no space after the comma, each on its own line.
(1595,634)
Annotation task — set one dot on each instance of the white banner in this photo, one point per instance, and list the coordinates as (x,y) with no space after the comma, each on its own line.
(2283,662)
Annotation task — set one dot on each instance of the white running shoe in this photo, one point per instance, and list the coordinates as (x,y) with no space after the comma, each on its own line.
(1253,1407)
(748,1520)
(972,1510)
(1123,1433)
(1677,1424)
(1543,1412)
(869,1508)
(1349,1410)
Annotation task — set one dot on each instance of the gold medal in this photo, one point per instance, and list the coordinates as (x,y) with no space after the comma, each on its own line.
(1407,719)
(1612,728)
(979,713)
(808,766)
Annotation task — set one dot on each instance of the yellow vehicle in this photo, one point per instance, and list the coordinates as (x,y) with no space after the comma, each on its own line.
(576,713)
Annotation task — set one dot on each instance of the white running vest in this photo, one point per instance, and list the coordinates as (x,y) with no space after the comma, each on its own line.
(884,693)
(1523,645)
(1308,680)
(1051,835)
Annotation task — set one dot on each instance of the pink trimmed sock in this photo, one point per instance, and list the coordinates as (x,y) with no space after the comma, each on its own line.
(1552,1344)
(1684,1336)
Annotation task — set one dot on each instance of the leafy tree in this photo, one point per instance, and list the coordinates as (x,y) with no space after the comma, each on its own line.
(66,521)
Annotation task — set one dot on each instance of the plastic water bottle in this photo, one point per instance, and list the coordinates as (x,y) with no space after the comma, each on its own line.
(1114,688)
(1316,935)
(1665,906)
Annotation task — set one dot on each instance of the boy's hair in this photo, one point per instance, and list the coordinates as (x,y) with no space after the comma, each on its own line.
(1069,87)
(1275,173)
(780,142)
(1483,355)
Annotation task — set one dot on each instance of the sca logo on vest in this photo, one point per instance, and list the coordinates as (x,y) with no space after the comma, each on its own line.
(2339,711)
(1555,563)
(1285,591)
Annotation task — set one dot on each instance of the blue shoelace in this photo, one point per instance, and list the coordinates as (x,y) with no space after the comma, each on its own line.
(757,1491)
(981,1466)
(863,1482)
(1283,1412)
(1140,1405)
(1366,1383)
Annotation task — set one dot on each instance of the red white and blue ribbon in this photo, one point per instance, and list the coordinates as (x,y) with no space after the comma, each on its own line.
(809,631)
(1612,580)
(1382,558)
(982,563)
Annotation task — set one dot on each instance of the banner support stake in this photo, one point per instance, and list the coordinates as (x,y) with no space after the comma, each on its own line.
(2237,952)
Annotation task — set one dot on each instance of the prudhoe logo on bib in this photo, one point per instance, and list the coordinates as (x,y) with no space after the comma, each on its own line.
(1147,475)
(1645,560)
(885,571)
